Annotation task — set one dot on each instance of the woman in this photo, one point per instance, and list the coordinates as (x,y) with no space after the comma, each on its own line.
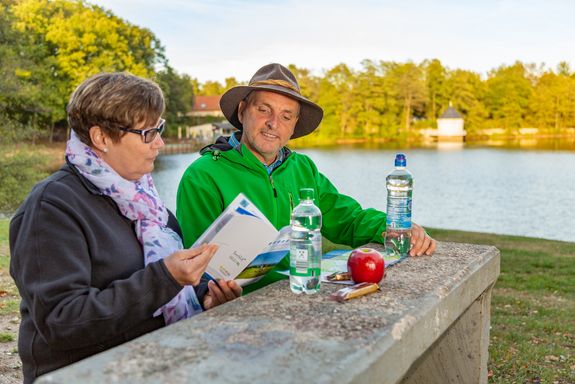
(96,256)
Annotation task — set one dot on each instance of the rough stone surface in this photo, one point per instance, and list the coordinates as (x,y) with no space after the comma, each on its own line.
(274,336)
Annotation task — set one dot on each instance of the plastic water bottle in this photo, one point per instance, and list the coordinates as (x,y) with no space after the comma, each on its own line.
(399,184)
(305,245)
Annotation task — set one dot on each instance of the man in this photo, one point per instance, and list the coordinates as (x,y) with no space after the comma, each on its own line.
(268,112)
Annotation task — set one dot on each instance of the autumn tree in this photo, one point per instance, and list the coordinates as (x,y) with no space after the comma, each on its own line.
(553,101)
(26,98)
(408,81)
(230,82)
(508,93)
(212,88)
(179,95)
(335,97)
(308,83)
(436,84)
(466,91)
(67,41)
(86,39)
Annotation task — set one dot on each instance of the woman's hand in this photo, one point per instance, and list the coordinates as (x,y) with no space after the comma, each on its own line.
(188,265)
(221,292)
(421,242)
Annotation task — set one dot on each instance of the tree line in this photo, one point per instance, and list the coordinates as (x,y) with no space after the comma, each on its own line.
(47,47)
(391,100)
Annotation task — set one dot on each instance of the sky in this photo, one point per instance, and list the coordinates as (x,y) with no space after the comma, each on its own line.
(214,40)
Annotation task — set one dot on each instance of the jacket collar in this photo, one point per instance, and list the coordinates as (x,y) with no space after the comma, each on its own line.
(222,144)
(69,167)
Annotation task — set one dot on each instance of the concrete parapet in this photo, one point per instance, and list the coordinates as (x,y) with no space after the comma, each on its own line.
(429,324)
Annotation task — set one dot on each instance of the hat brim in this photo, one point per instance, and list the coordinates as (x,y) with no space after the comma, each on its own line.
(310,114)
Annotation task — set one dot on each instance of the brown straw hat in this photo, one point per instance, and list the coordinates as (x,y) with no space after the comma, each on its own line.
(274,78)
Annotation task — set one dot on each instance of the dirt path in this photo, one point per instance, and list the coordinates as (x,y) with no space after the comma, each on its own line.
(10,365)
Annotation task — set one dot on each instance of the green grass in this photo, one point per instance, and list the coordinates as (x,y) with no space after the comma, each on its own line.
(4,251)
(6,337)
(9,306)
(4,223)
(533,308)
(532,312)
(20,169)
(9,299)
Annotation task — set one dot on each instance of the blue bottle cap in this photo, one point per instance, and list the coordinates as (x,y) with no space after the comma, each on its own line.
(400,160)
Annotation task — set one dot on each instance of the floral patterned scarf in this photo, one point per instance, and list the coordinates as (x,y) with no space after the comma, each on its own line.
(139,201)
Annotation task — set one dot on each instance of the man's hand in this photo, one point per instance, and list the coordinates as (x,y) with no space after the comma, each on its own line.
(188,265)
(221,292)
(421,243)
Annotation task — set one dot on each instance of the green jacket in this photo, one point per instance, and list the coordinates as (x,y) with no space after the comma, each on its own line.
(211,182)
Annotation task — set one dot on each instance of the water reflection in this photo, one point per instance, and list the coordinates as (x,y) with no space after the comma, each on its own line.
(554,144)
(527,143)
(450,146)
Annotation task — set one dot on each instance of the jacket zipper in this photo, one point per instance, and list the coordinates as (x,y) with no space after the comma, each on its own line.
(272,180)
(273,186)
(247,166)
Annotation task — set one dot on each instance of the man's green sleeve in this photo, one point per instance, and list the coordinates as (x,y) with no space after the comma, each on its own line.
(344,221)
(198,204)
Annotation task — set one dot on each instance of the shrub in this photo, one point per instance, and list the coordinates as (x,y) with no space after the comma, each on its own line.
(19,171)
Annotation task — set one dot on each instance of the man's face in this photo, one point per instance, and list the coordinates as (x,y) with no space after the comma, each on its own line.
(269,120)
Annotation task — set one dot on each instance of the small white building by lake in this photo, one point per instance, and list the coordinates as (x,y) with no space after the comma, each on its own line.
(449,126)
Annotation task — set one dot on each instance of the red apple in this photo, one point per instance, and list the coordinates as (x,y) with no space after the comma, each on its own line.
(366,265)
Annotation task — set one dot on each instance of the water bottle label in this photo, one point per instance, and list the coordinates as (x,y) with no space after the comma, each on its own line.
(399,212)
(301,262)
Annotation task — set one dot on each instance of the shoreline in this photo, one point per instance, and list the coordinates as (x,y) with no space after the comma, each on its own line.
(526,142)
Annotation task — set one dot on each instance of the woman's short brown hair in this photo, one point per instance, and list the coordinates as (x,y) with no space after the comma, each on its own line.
(112,101)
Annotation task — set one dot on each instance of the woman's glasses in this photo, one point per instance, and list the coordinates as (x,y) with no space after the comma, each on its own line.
(148,135)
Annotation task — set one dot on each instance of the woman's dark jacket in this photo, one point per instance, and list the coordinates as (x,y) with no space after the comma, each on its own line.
(80,271)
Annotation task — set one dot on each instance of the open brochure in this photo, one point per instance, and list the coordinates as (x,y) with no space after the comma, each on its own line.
(249,245)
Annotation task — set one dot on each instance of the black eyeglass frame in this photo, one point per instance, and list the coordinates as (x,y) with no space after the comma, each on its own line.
(146,133)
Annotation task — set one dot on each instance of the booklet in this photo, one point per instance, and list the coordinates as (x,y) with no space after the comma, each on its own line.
(249,245)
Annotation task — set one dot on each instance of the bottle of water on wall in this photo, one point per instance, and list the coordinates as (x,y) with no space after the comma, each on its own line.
(305,245)
(399,184)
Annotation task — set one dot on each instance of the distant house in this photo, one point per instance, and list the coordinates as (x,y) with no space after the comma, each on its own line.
(203,133)
(449,126)
(207,133)
(223,129)
(206,106)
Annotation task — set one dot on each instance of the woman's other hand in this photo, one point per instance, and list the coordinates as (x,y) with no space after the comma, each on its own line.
(221,292)
(188,265)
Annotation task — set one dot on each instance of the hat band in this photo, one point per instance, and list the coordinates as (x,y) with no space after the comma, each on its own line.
(281,83)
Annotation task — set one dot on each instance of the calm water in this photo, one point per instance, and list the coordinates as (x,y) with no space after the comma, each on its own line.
(505,191)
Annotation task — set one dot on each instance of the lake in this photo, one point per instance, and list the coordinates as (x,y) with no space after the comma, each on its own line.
(483,189)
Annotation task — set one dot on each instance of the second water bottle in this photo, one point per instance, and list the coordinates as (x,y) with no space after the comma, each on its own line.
(399,185)
(305,245)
